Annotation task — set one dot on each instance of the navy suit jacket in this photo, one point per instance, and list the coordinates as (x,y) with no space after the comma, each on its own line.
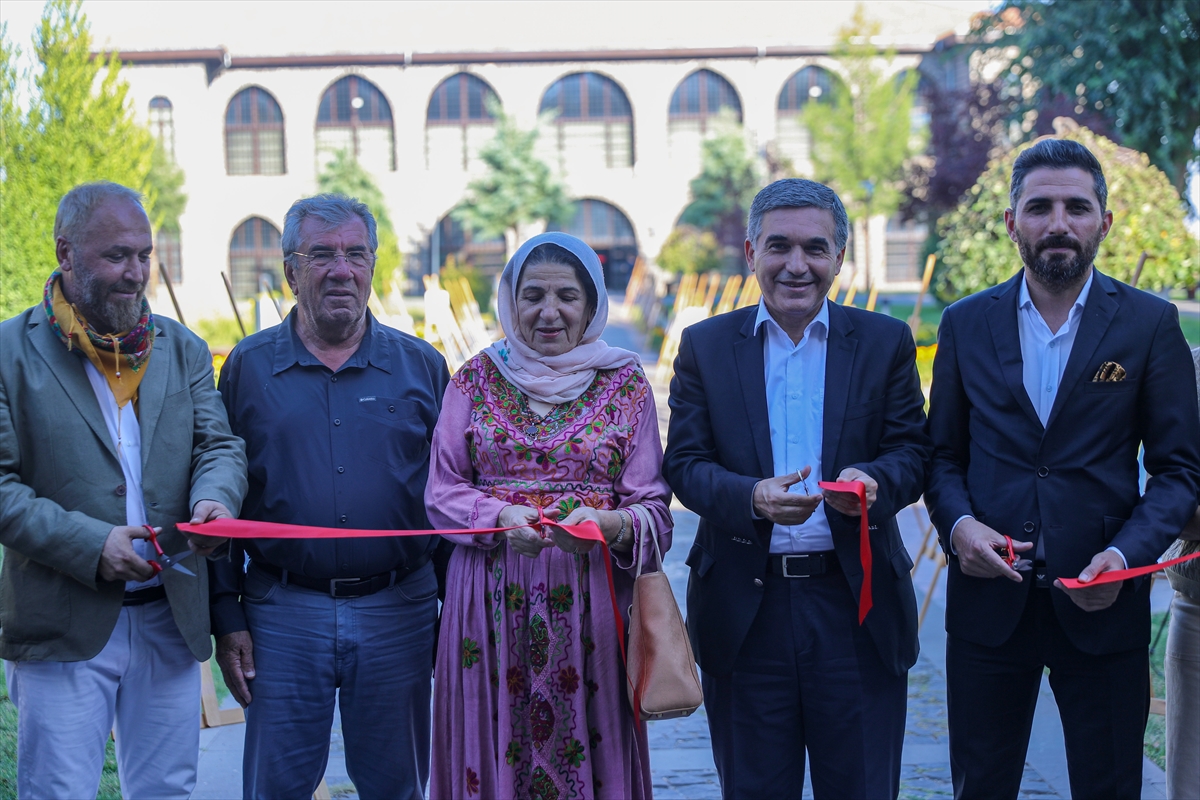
(719,447)
(1074,481)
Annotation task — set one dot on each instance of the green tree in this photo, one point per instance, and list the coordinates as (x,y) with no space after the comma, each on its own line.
(165,181)
(862,139)
(1147,215)
(722,192)
(517,188)
(690,249)
(344,175)
(1134,61)
(78,127)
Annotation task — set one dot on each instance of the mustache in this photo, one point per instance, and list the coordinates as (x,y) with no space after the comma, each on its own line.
(1057,242)
(127,288)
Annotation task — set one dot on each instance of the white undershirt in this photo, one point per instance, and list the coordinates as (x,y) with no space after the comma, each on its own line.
(126,435)
(795,381)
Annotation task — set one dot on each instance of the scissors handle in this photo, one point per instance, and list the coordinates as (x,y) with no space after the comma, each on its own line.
(157,549)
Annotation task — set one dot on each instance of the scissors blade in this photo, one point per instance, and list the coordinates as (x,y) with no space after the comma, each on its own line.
(173,561)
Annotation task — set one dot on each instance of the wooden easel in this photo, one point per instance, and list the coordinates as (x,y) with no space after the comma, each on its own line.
(933,551)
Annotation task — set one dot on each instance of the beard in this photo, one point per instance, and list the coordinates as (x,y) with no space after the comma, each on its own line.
(1058,271)
(102,310)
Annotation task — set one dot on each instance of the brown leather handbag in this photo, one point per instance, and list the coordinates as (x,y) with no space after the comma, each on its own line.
(662,679)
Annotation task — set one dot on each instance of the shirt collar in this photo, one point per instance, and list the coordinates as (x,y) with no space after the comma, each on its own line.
(289,350)
(821,319)
(1025,301)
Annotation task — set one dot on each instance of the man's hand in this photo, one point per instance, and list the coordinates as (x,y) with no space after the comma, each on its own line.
(524,540)
(847,502)
(235,656)
(773,501)
(118,561)
(1096,598)
(976,543)
(206,511)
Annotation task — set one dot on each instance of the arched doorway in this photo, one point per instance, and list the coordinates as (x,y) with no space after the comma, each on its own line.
(607,231)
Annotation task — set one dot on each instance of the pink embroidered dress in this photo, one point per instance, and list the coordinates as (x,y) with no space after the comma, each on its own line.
(529,691)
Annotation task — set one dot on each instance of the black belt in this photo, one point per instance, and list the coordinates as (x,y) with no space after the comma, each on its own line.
(140,597)
(340,587)
(803,565)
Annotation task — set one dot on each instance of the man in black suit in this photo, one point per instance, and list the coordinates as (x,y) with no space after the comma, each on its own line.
(766,401)
(1043,389)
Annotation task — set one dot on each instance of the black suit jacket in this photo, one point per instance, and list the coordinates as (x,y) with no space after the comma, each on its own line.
(1075,481)
(719,447)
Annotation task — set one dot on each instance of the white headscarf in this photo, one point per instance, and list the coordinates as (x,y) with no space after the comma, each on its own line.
(561,378)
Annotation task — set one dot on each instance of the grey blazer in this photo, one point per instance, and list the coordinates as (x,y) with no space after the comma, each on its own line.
(62,489)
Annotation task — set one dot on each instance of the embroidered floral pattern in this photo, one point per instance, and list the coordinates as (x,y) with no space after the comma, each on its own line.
(512,754)
(573,752)
(562,598)
(470,653)
(568,680)
(542,787)
(516,680)
(472,782)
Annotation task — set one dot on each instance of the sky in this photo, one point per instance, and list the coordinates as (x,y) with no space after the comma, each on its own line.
(258,28)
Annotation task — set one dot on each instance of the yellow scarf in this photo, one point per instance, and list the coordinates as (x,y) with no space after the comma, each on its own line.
(123,382)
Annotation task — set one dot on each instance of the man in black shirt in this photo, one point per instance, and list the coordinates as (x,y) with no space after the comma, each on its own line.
(337,411)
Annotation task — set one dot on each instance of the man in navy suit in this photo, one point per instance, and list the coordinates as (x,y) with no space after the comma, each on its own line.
(1043,389)
(766,401)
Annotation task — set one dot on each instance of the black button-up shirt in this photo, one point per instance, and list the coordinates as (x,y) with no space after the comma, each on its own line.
(345,449)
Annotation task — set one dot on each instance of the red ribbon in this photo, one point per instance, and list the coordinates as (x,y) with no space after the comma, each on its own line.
(1113,576)
(252,529)
(864,539)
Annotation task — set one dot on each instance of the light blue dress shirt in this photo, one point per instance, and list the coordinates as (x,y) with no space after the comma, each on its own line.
(795,381)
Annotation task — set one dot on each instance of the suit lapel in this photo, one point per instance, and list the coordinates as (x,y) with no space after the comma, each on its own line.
(841,345)
(748,356)
(1002,321)
(1098,313)
(67,368)
(152,392)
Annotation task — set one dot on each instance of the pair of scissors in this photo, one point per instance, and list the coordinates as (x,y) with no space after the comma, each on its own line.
(1009,554)
(162,560)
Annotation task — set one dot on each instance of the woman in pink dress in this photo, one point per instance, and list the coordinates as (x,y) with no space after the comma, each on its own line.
(529,693)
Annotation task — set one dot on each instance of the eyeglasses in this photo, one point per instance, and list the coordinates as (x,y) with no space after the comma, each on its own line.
(326,258)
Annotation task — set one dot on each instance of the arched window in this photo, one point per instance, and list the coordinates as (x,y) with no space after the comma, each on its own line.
(458,122)
(254,134)
(607,231)
(701,95)
(354,115)
(811,84)
(162,123)
(592,123)
(255,258)
(696,102)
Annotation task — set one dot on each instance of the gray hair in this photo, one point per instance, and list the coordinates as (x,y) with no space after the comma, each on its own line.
(76,207)
(799,193)
(1057,154)
(331,209)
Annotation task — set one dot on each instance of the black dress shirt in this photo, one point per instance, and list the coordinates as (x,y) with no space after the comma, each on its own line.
(346,449)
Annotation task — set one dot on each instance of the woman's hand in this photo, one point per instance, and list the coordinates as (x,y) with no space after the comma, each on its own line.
(524,540)
(609,523)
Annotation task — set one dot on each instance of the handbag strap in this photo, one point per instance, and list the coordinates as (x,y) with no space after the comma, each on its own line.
(647,530)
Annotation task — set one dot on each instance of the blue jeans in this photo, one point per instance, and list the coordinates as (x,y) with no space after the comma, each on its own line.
(377,650)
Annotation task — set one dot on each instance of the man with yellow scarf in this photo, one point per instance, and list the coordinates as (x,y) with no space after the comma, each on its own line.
(110,426)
